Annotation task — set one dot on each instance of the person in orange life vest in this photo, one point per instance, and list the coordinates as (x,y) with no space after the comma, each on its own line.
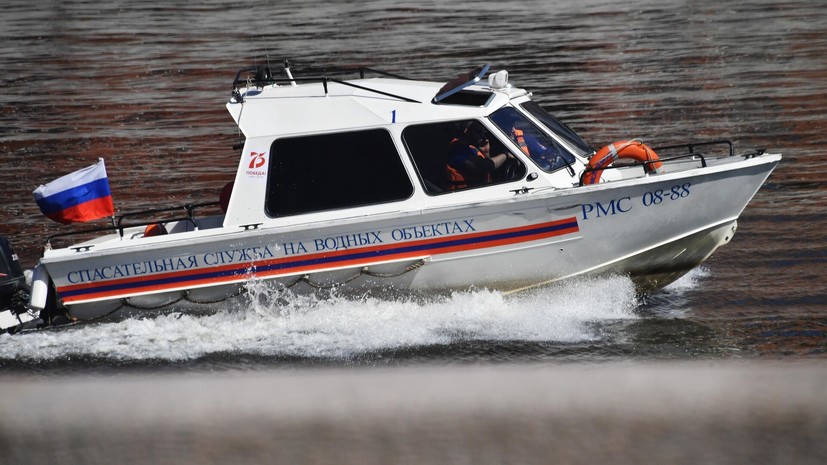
(469,159)
(545,157)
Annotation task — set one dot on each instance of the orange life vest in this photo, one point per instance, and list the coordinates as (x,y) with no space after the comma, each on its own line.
(457,180)
(518,134)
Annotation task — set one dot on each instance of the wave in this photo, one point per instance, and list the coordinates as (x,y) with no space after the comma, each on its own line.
(271,323)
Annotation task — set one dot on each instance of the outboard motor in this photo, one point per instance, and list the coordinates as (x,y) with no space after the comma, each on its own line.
(14,291)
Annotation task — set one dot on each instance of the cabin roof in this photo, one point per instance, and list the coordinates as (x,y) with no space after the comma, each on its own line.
(277,110)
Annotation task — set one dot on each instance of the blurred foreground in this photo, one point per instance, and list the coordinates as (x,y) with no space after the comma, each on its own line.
(721,412)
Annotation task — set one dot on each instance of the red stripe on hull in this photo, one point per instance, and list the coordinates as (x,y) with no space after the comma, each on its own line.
(316,268)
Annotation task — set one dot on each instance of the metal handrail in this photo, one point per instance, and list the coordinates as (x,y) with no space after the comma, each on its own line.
(118,226)
(644,163)
(263,76)
(270,79)
(189,208)
(755,153)
(691,146)
(78,232)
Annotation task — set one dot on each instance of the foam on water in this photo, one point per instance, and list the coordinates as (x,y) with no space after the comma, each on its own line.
(342,328)
(688,281)
(675,300)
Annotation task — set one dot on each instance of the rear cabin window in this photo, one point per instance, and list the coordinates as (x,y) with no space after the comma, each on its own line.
(331,171)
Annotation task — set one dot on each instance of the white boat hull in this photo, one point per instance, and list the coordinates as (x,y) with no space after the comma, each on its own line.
(523,241)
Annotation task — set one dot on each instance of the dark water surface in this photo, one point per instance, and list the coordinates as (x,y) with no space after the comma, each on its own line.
(143,84)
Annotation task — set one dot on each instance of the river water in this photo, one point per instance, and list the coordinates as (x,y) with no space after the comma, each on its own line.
(143,84)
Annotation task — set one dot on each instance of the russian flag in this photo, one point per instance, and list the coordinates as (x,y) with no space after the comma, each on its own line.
(77,197)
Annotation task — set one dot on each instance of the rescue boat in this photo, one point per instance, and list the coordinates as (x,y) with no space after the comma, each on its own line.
(342,184)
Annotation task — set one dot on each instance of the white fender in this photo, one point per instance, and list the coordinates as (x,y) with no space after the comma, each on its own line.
(40,288)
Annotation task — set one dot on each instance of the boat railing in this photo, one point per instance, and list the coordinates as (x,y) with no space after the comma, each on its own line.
(152,216)
(690,154)
(643,164)
(188,208)
(690,147)
(262,75)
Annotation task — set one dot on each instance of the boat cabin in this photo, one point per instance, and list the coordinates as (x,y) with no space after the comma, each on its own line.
(324,149)
(374,145)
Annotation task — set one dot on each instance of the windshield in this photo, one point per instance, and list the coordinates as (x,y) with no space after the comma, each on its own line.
(548,154)
(559,128)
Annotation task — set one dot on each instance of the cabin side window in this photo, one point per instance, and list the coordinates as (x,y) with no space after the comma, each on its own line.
(330,171)
(459,155)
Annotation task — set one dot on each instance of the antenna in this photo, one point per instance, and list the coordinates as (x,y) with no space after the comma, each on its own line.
(253,47)
(267,57)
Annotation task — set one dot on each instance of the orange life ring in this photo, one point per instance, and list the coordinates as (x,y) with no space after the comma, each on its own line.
(633,149)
